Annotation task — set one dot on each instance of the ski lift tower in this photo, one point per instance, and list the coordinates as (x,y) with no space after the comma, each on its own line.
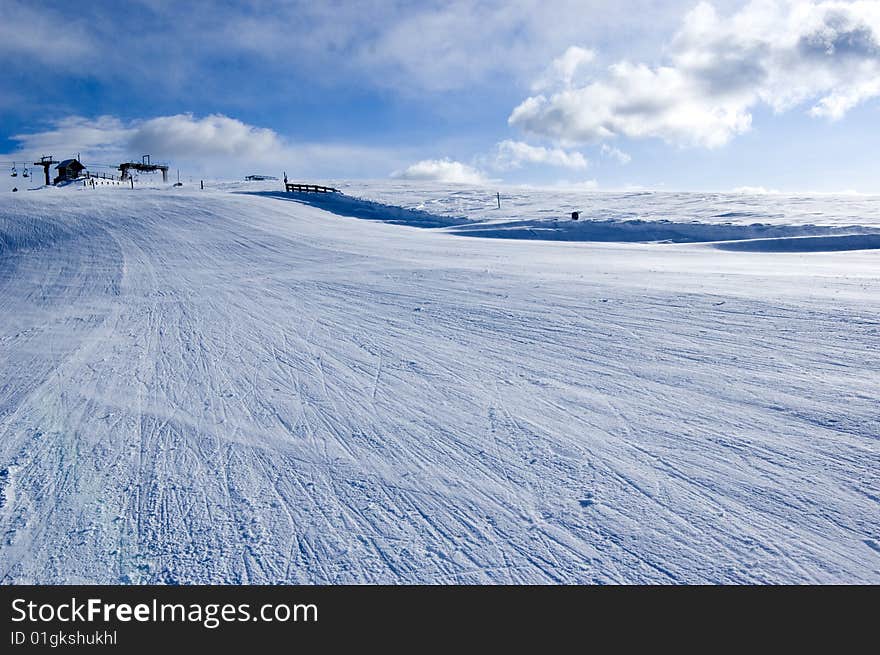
(143,166)
(46,162)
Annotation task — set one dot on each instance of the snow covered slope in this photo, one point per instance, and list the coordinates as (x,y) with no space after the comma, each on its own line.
(232,387)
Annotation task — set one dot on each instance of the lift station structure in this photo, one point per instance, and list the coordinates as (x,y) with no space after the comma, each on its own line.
(143,166)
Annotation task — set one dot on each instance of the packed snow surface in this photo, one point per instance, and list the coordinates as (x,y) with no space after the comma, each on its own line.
(406,384)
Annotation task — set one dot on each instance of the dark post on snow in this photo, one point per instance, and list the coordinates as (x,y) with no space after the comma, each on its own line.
(575,215)
(46,162)
(498,197)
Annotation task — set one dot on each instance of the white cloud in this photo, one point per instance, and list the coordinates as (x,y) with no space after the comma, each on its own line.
(507,155)
(212,136)
(782,53)
(514,154)
(104,136)
(616,154)
(32,33)
(213,145)
(172,136)
(442,170)
(564,70)
(634,101)
(181,135)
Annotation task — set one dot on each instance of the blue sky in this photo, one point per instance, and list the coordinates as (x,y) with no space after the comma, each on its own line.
(779,94)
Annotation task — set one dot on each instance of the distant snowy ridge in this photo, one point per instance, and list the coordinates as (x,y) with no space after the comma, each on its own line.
(465,213)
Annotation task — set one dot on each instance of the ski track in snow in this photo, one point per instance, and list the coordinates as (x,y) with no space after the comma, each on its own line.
(219,387)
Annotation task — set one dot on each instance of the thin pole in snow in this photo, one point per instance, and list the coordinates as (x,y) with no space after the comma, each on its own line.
(498,196)
(203,185)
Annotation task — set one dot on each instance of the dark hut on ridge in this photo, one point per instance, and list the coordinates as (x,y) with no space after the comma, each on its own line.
(69,169)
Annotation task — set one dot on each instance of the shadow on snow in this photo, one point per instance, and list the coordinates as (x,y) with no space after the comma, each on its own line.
(756,237)
(350,207)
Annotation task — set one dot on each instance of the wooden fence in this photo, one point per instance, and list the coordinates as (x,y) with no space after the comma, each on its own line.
(293,187)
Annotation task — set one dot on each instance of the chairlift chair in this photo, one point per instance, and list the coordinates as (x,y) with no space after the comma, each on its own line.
(14,172)
(25,172)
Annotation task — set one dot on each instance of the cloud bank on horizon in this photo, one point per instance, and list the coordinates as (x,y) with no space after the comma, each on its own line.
(423,89)
(213,144)
(441,170)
